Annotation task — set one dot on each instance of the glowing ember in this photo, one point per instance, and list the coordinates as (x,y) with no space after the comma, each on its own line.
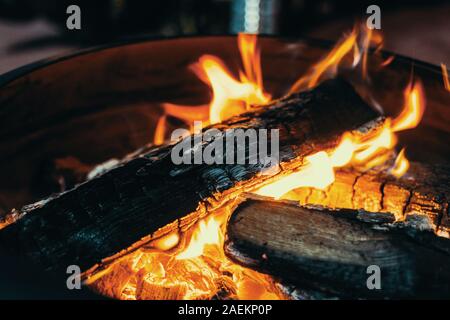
(167,242)
(208,232)
(191,267)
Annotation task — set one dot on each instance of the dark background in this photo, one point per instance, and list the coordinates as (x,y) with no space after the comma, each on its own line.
(36,29)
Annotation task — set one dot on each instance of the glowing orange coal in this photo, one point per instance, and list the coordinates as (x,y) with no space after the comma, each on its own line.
(190,266)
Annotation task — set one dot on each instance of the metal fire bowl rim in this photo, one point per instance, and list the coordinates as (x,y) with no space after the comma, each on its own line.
(26,69)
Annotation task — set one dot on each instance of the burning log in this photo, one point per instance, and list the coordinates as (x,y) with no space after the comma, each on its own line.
(148,195)
(421,197)
(331,251)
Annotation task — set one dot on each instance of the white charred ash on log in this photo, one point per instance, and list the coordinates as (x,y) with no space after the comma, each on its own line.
(147,195)
(329,251)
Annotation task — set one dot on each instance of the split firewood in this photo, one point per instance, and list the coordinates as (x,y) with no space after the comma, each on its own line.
(420,197)
(146,195)
(345,253)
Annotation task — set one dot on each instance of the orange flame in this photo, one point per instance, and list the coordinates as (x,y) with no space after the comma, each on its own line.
(207,232)
(160,130)
(401,165)
(318,171)
(445,77)
(359,41)
(328,64)
(193,266)
(188,114)
(388,61)
(230,96)
(193,263)
(369,37)
(415,106)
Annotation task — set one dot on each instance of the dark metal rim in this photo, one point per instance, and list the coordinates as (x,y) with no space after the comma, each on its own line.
(33,66)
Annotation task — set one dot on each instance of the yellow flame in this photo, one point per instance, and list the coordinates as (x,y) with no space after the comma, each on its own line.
(344,151)
(196,262)
(251,60)
(207,232)
(353,149)
(207,238)
(230,96)
(384,140)
(318,173)
(358,41)
(197,268)
(401,165)
(412,113)
(369,37)
(167,242)
(329,63)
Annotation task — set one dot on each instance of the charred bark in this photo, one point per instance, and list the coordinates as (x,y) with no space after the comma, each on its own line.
(148,194)
(330,250)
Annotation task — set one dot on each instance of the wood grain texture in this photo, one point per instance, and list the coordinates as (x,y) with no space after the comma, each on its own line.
(329,251)
(129,204)
(420,197)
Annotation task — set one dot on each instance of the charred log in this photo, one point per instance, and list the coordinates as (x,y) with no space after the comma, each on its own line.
(146,194)
(421,197)
(331,250)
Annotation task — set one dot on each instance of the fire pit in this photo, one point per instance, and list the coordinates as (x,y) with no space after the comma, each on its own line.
(141,227)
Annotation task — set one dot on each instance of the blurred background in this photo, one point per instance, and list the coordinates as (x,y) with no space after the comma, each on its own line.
(36,29)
